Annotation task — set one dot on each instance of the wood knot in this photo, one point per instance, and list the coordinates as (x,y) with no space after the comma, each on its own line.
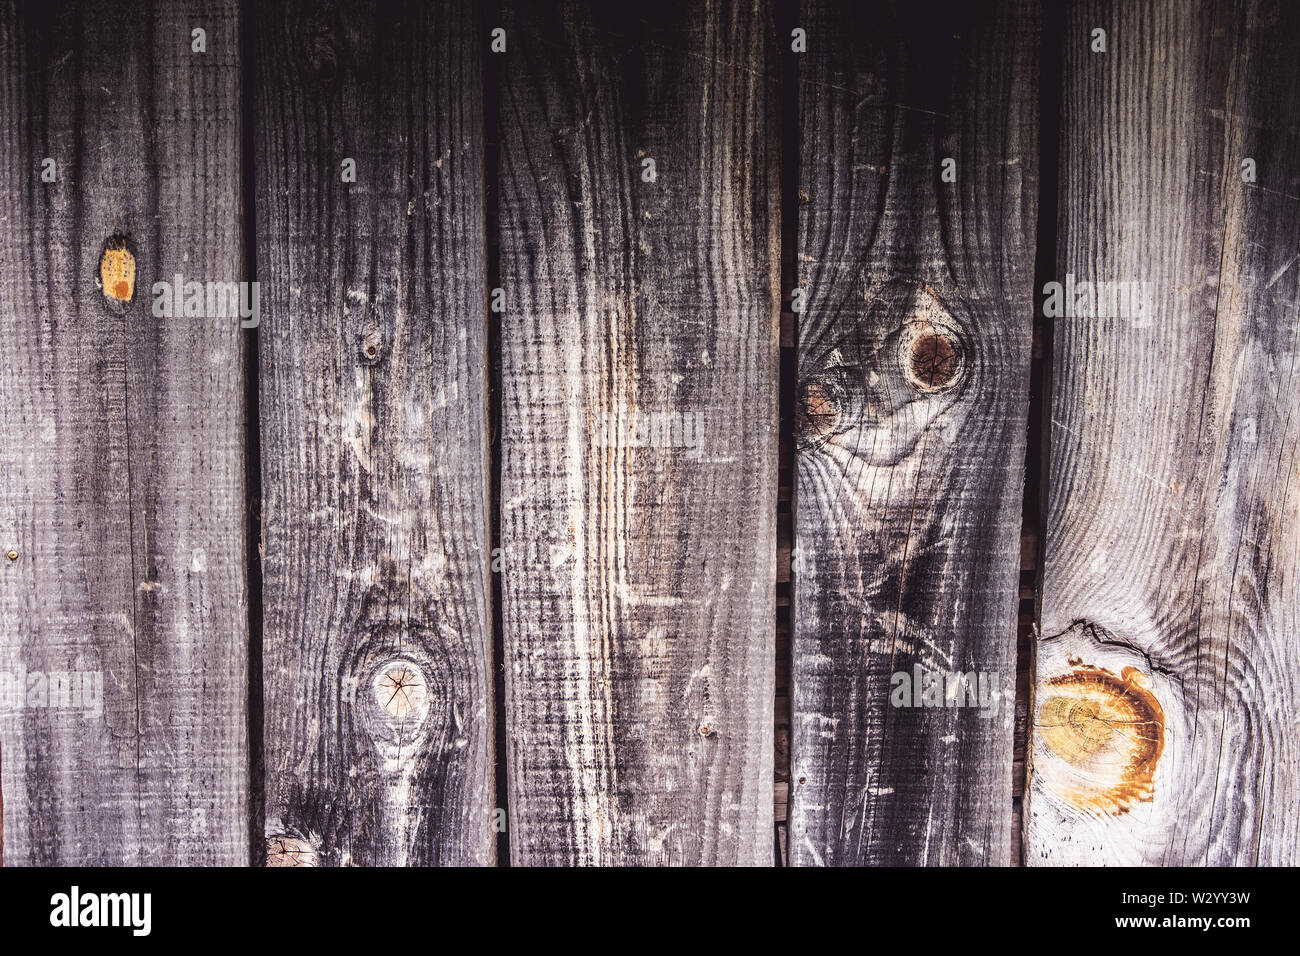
(1108,732)
(820,413)
(398,693)
(933,360)
(401,691)
(932,352)
(371,345)
(117,271)
(817,410)
(11,555)
(285,850)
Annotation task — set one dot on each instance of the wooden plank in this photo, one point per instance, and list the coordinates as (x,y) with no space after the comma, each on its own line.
(122,514)
(913,362)
(378,721)
(1165,679)
(639,430)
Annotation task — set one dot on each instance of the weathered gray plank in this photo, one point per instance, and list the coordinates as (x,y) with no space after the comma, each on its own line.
(638,449)
(122,516)
(1166,684)
(913,359)
(377,634)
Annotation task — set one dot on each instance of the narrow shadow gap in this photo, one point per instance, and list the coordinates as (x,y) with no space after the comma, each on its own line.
(252,457)
(492,237)
(1038,442)
(786,12)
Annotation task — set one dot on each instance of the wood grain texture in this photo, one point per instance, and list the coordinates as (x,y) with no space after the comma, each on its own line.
(121,440)
(378,721)
(913,360)
(1165,681)
(639,430)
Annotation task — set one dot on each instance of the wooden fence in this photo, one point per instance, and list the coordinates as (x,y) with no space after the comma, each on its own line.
(586,433)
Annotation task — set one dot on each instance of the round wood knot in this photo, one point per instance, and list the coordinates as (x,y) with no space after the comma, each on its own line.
(284,850)
(401,691)
(819,412)
(12,555)
(934,360)
(1108,733)
(932,349)
(117,271)
(371,344)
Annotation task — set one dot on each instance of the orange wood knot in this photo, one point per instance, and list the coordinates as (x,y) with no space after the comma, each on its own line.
(117,270)
(290,851)
(1108,732)
(12,555)
(401,690)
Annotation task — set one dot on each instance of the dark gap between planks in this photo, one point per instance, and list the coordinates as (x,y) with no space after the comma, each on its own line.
(1033,519)
(786,15)
(492,234)
(252,463)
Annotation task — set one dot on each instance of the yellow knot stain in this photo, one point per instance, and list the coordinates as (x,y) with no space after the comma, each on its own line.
(1109,733)
(117,271)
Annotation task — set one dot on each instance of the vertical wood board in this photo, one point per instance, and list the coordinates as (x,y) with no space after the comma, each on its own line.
(377,628)
(1165,678)
(123,615)
(639,430)
(913,370)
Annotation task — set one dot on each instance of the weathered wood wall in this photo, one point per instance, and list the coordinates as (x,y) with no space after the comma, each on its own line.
(1166,685)
(122,507)
(638,192)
